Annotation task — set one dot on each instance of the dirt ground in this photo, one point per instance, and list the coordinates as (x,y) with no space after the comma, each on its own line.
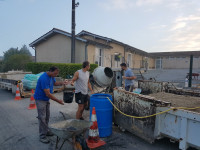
(178,100)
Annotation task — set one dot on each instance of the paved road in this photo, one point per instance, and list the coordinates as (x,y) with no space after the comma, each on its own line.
(18,125)
(19,128)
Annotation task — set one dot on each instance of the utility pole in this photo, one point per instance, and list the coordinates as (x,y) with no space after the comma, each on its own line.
(74,5)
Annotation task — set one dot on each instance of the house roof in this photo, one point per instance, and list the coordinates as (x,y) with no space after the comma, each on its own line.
(52,33)
(99,44)
(55,31)
(127,47)
(175,54)
(138,51)
(83,32)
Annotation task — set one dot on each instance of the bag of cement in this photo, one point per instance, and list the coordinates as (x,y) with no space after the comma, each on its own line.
(137,91)
(32,77)
(28,84)
(30,81)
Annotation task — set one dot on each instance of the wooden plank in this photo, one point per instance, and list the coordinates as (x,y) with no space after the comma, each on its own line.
(26,94)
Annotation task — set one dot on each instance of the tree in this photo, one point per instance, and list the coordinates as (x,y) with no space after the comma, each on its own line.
(17,62)
(25,50)
(1,65)
(16,59)
(13,51)
(10,52)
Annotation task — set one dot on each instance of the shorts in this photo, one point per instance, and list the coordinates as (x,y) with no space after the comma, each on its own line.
(81,98)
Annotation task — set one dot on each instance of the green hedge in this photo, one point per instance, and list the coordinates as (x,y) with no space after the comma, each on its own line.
(65,69)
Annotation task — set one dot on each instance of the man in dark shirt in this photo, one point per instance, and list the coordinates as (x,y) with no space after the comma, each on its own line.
(43,93)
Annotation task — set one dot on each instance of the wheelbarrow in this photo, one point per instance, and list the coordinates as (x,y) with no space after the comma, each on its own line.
(69,130)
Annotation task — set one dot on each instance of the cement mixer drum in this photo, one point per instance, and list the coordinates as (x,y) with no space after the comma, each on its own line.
(103,76)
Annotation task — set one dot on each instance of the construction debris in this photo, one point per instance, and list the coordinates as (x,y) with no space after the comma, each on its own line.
(178,100)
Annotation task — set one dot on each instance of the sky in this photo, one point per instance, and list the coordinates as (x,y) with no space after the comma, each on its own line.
(149,25)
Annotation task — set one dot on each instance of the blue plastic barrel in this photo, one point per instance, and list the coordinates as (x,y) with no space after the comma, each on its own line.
(104,111)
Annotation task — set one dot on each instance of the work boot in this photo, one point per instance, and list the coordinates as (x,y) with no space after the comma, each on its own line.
(49,133)
(44,140)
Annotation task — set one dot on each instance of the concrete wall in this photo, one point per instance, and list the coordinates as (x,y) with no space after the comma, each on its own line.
(109,54)
(91,53)
(179,63)
(137,61)
(57,49)
(116,49)
(126,58)
(80,52)
(92,56)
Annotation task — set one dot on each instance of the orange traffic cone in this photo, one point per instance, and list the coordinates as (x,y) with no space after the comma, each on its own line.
(17,97)
(93,140)
(32,102)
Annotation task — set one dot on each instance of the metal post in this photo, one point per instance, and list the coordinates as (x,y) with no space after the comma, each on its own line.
(86,52)
(35,54)
(73,33)
(190,73)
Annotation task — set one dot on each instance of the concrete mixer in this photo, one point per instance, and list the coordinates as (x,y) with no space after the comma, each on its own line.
(102,76)
(107,78)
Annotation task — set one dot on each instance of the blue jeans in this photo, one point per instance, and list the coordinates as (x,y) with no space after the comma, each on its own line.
(129,88)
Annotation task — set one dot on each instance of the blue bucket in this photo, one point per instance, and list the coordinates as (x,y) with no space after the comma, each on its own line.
(104,110)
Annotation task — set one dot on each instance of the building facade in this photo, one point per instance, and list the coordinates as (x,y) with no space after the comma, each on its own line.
(55,47)
(176,60)
(115,52)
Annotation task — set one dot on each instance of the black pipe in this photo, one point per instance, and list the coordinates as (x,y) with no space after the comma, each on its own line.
(190,73)
(86,52)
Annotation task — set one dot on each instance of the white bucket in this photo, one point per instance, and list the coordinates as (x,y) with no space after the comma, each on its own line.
(103,76)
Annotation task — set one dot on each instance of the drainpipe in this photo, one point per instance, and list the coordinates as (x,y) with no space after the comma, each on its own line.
(86,52)
(35,53)
(190,73)
(124,55)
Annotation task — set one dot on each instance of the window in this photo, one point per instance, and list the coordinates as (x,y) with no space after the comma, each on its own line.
(129,60)
(99,56)
(159,63)
(118,59)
